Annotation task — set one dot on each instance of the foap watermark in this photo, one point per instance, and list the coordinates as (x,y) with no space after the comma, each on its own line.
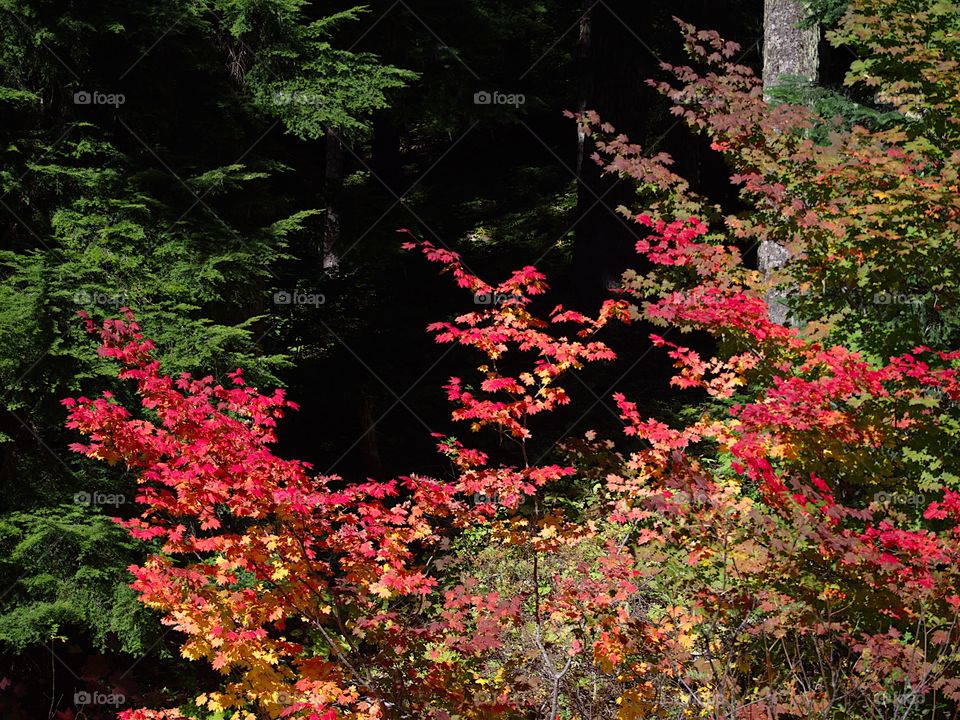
(494,502)
(907,103)
(83,698)
(485,97)
(491,298)
(887,298)
(99,499)
(85,97)
(104,299)
(298,297)
(910,499)
(906,696)
(480,498)
(940,395)
(294,97)
(292,698)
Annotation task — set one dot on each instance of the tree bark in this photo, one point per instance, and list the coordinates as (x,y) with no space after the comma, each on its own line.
(373,466)
(603,241)
(386,159)
(789,48)
(333,184)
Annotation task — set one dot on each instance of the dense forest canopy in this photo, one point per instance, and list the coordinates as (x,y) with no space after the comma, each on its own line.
(617,346)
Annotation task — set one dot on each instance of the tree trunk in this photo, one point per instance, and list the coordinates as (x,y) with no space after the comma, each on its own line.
(386,160)
(333,183)
(603,241)
(370,446)
(789,48)
(583,82)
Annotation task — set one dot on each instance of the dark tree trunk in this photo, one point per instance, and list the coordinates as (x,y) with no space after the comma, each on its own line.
(603,241)
(332,186)
(386,159)
(370,446)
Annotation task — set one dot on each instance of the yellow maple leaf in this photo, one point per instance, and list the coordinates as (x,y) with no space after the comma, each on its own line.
(279,573)
(381,590)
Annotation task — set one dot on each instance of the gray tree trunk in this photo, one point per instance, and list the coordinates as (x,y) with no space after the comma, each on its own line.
(333,184)
(789,48)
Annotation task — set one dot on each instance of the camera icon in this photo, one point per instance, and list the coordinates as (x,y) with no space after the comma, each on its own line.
(282,98)
(883,497)
(883,298)
(282,297)
(82,98)
(82,297)
(482,98)
(82,498)
(82,698)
